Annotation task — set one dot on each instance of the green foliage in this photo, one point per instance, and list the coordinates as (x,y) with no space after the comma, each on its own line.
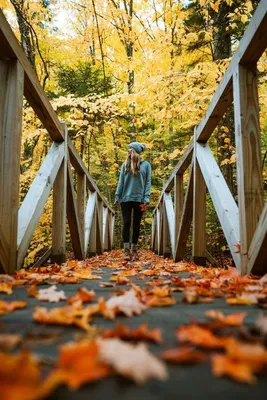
(83,79)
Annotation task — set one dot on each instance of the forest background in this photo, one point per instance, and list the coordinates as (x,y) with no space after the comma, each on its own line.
(117,71)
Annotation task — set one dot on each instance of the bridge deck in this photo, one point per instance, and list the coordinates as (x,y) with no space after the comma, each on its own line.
(188,382)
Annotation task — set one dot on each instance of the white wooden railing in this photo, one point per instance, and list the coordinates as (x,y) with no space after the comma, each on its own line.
(245,225)
(90,219)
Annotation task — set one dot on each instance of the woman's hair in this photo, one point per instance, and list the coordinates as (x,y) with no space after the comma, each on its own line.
(132,162)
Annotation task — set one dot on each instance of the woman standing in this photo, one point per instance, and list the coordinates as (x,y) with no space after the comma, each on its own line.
(133,194)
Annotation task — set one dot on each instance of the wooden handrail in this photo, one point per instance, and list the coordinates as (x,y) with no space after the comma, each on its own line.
(17,226)
(245,227)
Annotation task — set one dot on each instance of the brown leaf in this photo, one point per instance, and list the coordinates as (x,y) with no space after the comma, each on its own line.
(239,371)
(141,333)
(6,287)
(7,307)
(155,301)
(83,295)
(79,363)
(9,341)
(184,355)
(231,319)
(199,337)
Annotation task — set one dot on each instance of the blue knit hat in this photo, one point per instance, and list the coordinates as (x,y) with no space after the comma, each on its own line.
(137,146)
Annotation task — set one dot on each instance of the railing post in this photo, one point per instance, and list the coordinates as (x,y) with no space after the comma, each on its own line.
(11,98)
(199,213)
(58,251)
(81,203)
(178,202)
(166,238)
(248,150)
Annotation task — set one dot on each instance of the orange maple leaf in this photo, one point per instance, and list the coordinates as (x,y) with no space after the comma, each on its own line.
(143,207)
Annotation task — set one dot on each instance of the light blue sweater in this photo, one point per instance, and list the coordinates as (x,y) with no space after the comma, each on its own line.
(134,187)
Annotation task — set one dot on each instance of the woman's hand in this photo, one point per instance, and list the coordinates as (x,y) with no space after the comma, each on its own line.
(118,204)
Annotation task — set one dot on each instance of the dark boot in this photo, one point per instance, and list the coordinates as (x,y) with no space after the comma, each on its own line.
(135,255)
(127,254)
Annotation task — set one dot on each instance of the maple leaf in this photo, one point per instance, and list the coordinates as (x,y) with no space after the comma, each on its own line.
(6,287)
(86,275)
(143,207)
(155,301)
(237,245)
(134,362)
(51,294)
(9,341)
(247,299)
(199,337)
(69,315)
(239,371)
(20,377)
(128,304)
(141,333)
(7,307)
(83,295)
(231,319)
(184,355)
(79,363)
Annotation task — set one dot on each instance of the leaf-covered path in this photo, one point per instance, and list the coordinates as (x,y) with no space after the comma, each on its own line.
(172,299)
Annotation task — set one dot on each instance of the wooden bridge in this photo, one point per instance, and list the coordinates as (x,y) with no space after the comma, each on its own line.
(185,288)
(90,217)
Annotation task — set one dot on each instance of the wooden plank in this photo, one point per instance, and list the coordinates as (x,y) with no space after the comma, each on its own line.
(81,202)
(248,151)
(58,250)
(73,219)
(225,206)
(47,254)
(112,229)
(170,219)
(33,91)
(180,168)
(89,214)
(11,97)
(199,215)
(153,231)
(257,254)
(178,201)
(186,219)
(250,49)
(33,204)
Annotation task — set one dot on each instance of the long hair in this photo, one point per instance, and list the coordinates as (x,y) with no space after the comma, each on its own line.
(133,161)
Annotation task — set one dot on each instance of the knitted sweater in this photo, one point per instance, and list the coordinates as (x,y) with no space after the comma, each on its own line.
(134,187)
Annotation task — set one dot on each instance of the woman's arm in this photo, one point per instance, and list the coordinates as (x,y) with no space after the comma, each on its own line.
(119,189)
(148,184)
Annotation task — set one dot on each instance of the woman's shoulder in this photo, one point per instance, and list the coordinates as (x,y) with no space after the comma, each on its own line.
(146,164)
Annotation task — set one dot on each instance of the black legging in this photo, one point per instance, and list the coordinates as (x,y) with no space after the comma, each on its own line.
(126,209)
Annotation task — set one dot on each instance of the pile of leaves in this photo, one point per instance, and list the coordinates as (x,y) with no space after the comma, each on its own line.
(230,346)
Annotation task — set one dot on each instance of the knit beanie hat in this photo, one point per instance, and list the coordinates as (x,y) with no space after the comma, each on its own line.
(137,146)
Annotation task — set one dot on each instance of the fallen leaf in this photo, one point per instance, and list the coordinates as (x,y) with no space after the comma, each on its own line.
(239,371)
(79,363)
(231,319)
(155,301)
(128,304)
(141,333)
(184,355)
(247,299)
(199,337)
(51,294)
(134,362)
(86,275)
(261,323)
(7,307)
(6,287)
(83,295)
(9,341)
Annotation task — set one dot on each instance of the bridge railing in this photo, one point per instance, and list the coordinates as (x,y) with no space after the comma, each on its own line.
(90,219)
(245,225)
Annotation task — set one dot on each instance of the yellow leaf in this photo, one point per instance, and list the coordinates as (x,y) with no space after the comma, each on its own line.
(244,18)
(227,140)
(216,5)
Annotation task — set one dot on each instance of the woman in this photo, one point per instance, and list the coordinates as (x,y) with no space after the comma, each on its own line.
(133,194)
